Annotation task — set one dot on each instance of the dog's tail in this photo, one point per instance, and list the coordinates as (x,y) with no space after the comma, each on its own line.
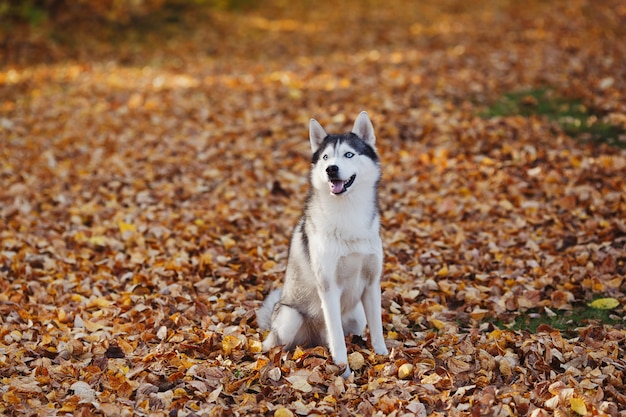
(264,313)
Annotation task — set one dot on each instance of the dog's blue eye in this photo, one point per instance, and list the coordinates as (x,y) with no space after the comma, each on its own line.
(348,155)
(325,157)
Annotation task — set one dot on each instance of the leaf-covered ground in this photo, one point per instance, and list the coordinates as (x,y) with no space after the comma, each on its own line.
(149,182)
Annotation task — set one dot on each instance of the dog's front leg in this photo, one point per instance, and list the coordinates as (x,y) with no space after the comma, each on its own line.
(331,308)
(371,302)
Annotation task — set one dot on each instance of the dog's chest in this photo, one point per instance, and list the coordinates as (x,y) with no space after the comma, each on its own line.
(354,273)
(355,267)
(347,232)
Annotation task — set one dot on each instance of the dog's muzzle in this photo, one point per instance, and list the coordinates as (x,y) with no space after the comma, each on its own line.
(337,185)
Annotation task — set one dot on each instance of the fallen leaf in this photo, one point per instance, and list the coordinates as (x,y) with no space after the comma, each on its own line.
(604,304)
(229,343)
(84,392)
(356,361)
(283,412)
(300,382)
(405,371)
(578,406)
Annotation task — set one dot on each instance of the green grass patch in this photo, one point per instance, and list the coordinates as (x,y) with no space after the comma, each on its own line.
(566,321)
(574,117)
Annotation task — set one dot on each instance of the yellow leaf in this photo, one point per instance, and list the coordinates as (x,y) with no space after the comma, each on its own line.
(392,334)
(255,346)
(260,363)
(76,298)
(330,399)
(267,265)
(438,324)
(578,406)
(405,371)
(604,303)
(93,326)
(180,393)
(283,412)
(70,405)
(46,339)
(495,334)
(443,271)
(100,302)
(98,240)
(297,353)
(229,343)
(126,227)
(80,237)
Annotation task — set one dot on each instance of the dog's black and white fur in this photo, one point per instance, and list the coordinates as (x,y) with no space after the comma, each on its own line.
(332,283)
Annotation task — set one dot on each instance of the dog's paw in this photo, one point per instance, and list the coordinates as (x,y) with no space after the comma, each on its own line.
(381,349)
(346,373)
(265,347)
(270,341)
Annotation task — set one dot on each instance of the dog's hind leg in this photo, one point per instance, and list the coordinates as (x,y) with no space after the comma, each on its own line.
(264,313)
(286,326)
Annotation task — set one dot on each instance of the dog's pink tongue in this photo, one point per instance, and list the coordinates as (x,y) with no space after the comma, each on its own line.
(336,186)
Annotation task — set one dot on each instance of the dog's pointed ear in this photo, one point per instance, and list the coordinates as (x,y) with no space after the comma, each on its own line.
(363,128)
(317,134)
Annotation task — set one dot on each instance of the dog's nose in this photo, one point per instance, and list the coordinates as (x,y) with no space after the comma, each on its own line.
(332,170)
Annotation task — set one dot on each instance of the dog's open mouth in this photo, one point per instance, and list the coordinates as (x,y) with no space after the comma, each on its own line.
(340,186)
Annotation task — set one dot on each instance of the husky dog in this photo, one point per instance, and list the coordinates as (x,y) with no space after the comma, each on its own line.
(332,283)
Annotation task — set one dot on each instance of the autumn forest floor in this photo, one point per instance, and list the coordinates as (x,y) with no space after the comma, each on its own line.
(150,178)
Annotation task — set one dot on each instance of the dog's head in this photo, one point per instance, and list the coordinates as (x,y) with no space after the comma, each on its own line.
(344,162)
